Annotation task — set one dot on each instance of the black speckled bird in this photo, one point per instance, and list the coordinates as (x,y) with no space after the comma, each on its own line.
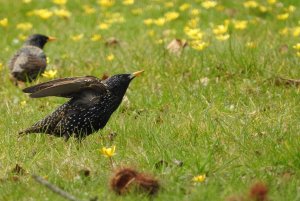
(92,103)
(30,60)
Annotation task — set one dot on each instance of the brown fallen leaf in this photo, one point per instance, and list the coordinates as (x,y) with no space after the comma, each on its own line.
(176,46)
(286,81)
(128,179)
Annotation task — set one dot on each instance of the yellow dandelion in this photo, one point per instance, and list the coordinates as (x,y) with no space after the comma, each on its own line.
(77,37)
(103,26)
(208,4)
(263,9)
(199,45)
(22,37)
(88,9)
(60,2)
(4,22)
(184,6)
(48,60)
(193,23)
(250,45)
(283,16)
(128,2)
(23,103)
(137,11)
(250,4)
(62,13)
(195,12)
(42,13)
(110,57)
(298,54)
(284,31)
(106,3)
(240,24)
(223,37)
(25,26)
(271,1)
(160,21)
(220,29)
(26,1)
(108,152)
(50,74)
(169,16)
(297,46)
(96,37)
(148,21)
(296,31)
(199,178)
(195,34)
(1,66)
(291,8)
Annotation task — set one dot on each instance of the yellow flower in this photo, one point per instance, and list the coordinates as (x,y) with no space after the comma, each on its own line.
(284,31)
(298,54)
(250,4)
(208,4)
(4,22)
(199,178)
(196,33)
(291,8)
(137,11)
(1,66)
(88,9)
(195,12)
(106,3)
(24,26)
(50,74)
(96,37)
(103,26)
(48,60)
(222,37)
(263,9)
(283,16)
(297,46)
(240,24)
(42,13)
(220,29)
(110,57)
(23,103)
(271,1)
(148,21)
(22,37)
(193,23)
(169,4)
(60,2)
(151,33)
(62,13)
(169,16)
(250,45)
(26,1)
(108,152)
(128,2)
(184,7)
(199,45)
(160,21)
(296,31)
(77,37)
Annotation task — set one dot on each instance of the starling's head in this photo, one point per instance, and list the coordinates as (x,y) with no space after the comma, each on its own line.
(118,84)
(38,40)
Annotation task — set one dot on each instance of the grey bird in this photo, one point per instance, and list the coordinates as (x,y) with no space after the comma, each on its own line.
(29,61)
(92,102)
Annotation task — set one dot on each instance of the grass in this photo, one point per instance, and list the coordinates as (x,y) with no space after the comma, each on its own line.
(239,129)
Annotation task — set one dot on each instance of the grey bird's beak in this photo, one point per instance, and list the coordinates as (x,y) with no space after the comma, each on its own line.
(135,74)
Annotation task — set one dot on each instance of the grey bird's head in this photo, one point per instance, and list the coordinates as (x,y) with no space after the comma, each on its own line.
(38,40)
(118,84)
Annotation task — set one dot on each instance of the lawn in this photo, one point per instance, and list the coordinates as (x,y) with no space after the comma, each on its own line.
(215,106)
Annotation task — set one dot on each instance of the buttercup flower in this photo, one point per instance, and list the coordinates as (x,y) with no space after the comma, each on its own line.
(62,13)
(96,37)
(283,16)
(250,4)
(198,45)
(208,4)
(60,2)
(88,9)
(240,24)
(108,152)
(103,26)
(250,45)
(169,16)
(199,178)
(220,29)
(106,3)
(160,21)
(297,46)
(4,22)
(50,74)
(24,26)
(222,37)
(184,7)
(128,2)
(77,37)
(148,21)
(110,57)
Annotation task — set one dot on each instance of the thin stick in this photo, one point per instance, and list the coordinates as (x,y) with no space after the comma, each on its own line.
(53,188)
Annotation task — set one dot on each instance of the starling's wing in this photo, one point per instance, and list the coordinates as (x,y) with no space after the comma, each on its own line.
(66,87)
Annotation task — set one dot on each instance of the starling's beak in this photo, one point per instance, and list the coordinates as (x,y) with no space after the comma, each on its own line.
(50,38)
(135,74)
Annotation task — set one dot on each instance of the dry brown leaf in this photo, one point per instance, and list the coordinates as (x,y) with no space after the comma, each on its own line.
(176,46)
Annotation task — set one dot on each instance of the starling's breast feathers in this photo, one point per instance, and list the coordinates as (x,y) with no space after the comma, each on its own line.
(28,58)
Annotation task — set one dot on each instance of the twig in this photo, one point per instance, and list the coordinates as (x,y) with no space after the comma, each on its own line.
(53,188)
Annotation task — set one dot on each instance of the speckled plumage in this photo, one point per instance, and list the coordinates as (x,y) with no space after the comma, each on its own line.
(30,60)
(92,103)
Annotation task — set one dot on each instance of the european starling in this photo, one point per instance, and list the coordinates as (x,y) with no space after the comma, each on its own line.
(30,60)
(92,102)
